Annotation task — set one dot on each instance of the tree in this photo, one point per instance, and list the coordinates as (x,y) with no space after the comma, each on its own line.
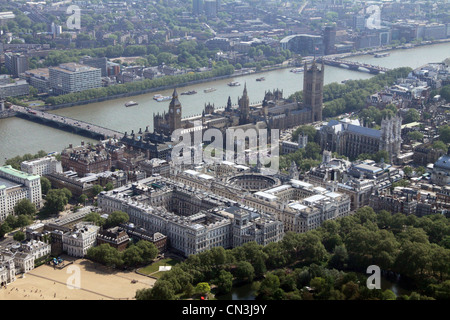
(202,288)
(56,200)
(269,286)
(95,218)
(389,295)
(46,185)
(244,271)
(4,229)
(132,256)
(19,236)
(413,259)
(412,116)
(109,186)
(149,250)
(24,220)
(162,290)
(82,199)
(444,133)
(224,282)
(105,254)
(445,92)
(339,258)
(308,130)
(96,189)
(440,145)
(415,135)
(25,207)
(116,218)
(408,171)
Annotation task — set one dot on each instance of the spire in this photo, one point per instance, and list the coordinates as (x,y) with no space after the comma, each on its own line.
(175,93)
(245,88)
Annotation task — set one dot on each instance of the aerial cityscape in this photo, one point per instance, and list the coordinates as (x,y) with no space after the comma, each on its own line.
(247,150)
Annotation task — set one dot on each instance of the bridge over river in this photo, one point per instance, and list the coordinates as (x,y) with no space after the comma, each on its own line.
(65,123)
(352,65)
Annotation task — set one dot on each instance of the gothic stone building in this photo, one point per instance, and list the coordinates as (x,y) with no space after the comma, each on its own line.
(349,138)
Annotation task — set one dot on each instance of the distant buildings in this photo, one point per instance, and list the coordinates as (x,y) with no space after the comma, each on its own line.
(16,185)
(16,63)
(14,89)
(349,138)
(441,171)
(39,79)
(100,63)
(74,77)
(304,44)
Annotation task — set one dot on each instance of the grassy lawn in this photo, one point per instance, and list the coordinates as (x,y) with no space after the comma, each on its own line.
(35,103)
(154,267)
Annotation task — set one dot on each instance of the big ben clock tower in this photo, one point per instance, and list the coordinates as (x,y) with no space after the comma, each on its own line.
(174,112)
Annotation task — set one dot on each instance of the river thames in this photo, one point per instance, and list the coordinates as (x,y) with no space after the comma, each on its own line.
(18,136)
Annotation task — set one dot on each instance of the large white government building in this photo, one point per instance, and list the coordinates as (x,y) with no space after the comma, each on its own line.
(224,205)
(16,185)
(193,220)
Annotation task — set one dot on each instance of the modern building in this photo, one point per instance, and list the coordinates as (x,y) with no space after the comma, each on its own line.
(329,40)
(16,63)
(100,63)
(42,166)
(210,7)
(5,16)
(39,79)
(197,7)
(14,89)
(73,77)
(16,185)
(304,44)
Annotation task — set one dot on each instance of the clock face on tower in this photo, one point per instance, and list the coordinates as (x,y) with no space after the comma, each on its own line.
(178,111)
(171,110)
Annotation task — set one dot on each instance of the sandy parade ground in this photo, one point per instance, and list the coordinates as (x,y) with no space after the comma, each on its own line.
(82,280)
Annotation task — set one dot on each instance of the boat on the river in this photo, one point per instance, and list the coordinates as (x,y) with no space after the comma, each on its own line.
(163,98)
(260,79)
(297,70)
(209,90)
(234,84)
(131,103)
(156,96)
(382,54)
(190,92)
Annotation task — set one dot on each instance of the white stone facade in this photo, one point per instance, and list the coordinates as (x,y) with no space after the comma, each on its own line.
(42,166)
(16,185)
(77,242)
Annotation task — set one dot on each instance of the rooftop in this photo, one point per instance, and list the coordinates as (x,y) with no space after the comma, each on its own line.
(18,174)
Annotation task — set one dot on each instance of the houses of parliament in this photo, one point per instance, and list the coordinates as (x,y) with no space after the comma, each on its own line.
(275,112)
